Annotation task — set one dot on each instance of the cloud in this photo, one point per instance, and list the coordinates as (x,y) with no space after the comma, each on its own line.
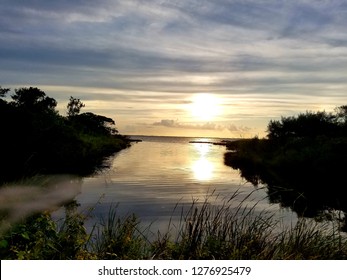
(204,126)
(155,53)
(167,123)
(164,37)
(176,124)
(234,128)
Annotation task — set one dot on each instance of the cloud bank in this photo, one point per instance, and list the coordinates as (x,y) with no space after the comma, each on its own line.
(287,54)
(203,126)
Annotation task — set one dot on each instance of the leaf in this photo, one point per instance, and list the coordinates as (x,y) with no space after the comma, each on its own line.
(3,243)
(25,235)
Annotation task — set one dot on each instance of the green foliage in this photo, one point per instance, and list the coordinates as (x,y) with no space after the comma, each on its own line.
(39,237)
(206,231)
(223,232)
(36,238)
(120,238)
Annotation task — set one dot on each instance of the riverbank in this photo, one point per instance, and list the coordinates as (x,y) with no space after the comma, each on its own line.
(302,163)
(36,139)
(205,232)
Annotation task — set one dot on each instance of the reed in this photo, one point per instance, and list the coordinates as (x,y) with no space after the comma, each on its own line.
(210,229)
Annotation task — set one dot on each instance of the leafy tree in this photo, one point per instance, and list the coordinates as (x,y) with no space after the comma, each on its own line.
(341,114)
(3,91)
(53,143)
(304,125)
(74,106)
(33,99)
(95,124)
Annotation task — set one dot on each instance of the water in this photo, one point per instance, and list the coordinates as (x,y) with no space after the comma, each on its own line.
(152,177)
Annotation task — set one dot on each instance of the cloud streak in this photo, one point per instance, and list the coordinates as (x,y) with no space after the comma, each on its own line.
(203,126)
(162,51)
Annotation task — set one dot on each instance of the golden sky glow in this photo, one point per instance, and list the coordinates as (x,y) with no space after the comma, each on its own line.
(188,68)
(205,107)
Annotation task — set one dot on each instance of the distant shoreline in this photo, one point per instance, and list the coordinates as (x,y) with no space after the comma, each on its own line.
(187,138)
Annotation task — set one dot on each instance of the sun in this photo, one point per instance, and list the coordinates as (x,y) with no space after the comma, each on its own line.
(205,106)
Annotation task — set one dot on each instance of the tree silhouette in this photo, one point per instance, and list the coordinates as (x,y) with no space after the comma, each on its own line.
(35,138)
(3,91)
(341,115)
(308,124)
(74,106)
(94,124)
(33,99)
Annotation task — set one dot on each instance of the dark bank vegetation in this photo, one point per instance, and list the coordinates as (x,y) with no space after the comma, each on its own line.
(302,162)
(206,231)
(36,139)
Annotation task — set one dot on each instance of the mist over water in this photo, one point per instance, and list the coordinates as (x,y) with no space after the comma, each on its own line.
(46,193)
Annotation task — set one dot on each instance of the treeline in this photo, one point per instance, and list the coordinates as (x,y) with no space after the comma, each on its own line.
(302,161)
(310,125)
(36,139)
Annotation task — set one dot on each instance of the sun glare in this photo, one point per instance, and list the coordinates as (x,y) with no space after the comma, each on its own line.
(202,168)
(205,106)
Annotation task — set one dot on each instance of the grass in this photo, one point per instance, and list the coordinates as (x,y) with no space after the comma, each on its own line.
(205,231)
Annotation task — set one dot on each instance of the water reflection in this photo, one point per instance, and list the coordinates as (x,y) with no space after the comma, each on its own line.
(161,174)
(319,196)
(202,168)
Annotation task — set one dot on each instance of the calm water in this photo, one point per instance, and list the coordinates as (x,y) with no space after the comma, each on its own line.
(152,176)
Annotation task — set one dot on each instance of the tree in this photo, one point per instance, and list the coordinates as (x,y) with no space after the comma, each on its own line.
(33,99)
(341,114)
(95,124)
(74,106)
(304,125)
(3,92)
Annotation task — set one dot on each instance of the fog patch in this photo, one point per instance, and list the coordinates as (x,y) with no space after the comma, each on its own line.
(19,201)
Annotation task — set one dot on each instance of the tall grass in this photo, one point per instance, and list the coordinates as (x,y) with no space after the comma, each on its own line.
(120,238)
(207,230)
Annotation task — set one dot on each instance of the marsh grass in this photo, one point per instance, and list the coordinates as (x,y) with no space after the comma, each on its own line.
(310,240)
(206,230)
(120,237)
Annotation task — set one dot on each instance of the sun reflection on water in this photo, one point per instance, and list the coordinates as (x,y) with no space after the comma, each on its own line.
(202,167)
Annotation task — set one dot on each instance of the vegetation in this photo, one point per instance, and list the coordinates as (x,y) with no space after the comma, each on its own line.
(36,139)
(206,231)
(302,161)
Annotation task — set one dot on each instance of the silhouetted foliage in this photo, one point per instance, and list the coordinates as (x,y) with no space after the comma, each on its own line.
(341,114)
(304,125)
(74,106)
(33,99)
(302,162)
(3,91)
(94,124)
(36,139)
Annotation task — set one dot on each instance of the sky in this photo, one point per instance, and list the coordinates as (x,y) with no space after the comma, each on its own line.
(221,68)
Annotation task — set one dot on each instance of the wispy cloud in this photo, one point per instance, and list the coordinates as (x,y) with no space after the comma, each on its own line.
(163,48)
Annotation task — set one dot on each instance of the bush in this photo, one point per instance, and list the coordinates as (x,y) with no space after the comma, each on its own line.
(75,144)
